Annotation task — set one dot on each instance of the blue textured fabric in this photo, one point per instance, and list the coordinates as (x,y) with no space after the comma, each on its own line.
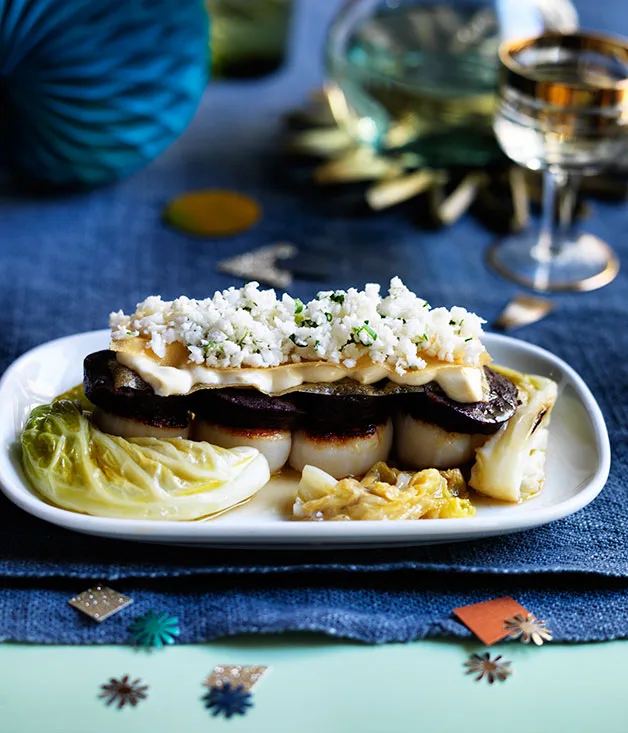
(398,607)
(67,261)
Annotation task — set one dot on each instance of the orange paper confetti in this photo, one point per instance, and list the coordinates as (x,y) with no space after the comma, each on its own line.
(488,619)
(213,213)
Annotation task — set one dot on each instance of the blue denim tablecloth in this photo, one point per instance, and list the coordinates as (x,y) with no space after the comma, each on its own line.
(68,260)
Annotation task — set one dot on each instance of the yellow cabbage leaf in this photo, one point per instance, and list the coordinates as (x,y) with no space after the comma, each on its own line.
(76,466)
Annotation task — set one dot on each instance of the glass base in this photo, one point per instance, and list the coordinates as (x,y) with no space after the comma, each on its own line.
(583,262)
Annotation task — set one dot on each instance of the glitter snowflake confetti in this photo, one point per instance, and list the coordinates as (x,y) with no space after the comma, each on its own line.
(100,602)
(123,692)
(228,700)
(155,629)
(493,669)
(528,628)
(236,675)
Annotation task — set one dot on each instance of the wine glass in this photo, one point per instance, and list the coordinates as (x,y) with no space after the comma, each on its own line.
(418,76)
(563,109)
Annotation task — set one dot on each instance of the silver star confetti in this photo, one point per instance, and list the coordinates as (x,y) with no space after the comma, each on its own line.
(235,675)
(261,264)
(528,628)
(100,602)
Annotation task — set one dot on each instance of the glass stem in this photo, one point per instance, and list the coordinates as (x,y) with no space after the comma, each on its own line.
(569,184)
(561,185)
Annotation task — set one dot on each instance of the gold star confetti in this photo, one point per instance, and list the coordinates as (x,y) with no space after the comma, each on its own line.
(483,666)
(235,675)
(122,692)
(100,602)
(528,628)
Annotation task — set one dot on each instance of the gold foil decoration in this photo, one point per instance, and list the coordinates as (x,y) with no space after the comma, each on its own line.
(325,142)
(524,310)
(100,602)
(461,198)
(528,628)
(315,113)
(261,265)
(361,164)
(236,675)
(402,188)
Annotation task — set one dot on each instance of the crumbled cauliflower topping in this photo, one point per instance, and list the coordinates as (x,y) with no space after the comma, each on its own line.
(249,327)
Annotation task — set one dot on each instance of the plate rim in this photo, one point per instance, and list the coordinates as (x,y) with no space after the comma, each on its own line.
(325,533)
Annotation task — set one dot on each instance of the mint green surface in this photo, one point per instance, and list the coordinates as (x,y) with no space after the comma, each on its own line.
(320,686)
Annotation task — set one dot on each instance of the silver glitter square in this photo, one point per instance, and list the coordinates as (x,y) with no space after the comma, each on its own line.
(100,602)
(236,674)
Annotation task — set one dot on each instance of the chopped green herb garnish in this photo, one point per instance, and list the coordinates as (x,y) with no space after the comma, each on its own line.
(317,343)
(309,323)
(453,323)
(296,341)
(298,311)
(131,333)
(337,297)
(329,317)
(367,329)
(469,339)
(370,331)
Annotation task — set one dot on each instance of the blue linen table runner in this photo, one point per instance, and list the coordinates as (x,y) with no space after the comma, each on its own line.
(67,261)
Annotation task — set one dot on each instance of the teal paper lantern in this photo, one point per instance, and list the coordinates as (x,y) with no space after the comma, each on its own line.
(92,90)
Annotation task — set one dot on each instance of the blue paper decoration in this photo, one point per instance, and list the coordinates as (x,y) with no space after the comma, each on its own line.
(92,90)
(227,700)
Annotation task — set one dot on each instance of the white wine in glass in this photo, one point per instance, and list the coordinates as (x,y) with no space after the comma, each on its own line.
(563,109)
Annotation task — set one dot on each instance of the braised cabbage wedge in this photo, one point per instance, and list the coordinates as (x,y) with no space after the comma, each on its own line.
(76,466)
(384,493)
(511,465)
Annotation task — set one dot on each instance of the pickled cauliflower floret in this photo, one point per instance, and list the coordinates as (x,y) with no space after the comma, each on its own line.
(384,493)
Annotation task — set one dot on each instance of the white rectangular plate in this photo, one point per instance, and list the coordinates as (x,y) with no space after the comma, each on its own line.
(577,467)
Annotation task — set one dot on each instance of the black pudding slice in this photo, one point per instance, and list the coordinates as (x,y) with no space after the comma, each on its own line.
(341,413)
(120,391)
(244,408)
(433,406)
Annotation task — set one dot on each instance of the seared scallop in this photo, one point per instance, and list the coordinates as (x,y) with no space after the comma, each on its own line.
(350,453)
(425,445)
(128,427)
(272,443)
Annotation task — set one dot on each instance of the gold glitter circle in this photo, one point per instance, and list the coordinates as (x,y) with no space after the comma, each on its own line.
(213,212)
